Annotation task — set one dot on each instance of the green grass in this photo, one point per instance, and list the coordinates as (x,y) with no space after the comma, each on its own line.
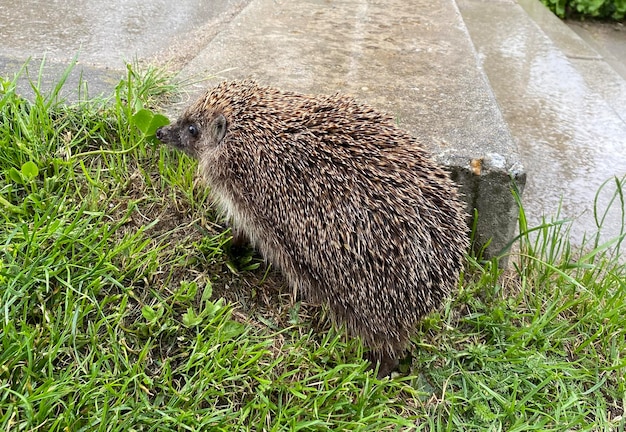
(121,308)
(588,9)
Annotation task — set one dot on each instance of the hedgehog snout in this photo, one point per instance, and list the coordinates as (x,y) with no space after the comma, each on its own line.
(169,135)
(162,133)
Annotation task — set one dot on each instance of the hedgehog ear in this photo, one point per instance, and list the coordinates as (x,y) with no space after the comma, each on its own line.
(218,128)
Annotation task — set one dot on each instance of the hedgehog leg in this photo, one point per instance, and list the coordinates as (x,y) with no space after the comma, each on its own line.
(386,363)
(239,240)
(239,246)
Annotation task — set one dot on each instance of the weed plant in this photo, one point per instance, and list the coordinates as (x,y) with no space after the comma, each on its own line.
(594,9)
(121,307)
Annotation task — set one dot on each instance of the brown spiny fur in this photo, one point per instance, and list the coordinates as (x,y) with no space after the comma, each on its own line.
(350,207)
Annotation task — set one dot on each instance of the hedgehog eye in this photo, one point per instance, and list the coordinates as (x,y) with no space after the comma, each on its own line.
(193,130)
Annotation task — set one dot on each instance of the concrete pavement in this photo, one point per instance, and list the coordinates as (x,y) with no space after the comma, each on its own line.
(457,74)
(564,103)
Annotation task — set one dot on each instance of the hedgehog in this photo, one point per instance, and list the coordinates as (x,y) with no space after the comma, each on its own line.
(350,208)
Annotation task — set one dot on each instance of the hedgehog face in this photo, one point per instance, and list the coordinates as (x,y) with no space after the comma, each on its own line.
(193,136)
(183,135)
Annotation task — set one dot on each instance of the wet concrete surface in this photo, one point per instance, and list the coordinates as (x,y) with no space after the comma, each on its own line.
(521,72)
(570,137)
(417,66)
(607,39)
(102,38)
(105,33)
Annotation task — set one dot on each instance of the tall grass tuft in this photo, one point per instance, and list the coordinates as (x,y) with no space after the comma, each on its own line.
(540,346)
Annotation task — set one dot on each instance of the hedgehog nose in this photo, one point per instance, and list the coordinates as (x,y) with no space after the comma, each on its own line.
(160,134)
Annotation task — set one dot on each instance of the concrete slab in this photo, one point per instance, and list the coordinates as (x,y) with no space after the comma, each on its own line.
(556,31)
(571,138)
(82,82)
(597,50)
(606,75)
(102,37)
(416,63)
(105,34)
(607,39)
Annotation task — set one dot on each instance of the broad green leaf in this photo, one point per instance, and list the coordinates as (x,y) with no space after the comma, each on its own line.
(15,176)
(30,170)
(158,121)
(207,292)
(142,119)
(151,314)
(148,122)
(190,319)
